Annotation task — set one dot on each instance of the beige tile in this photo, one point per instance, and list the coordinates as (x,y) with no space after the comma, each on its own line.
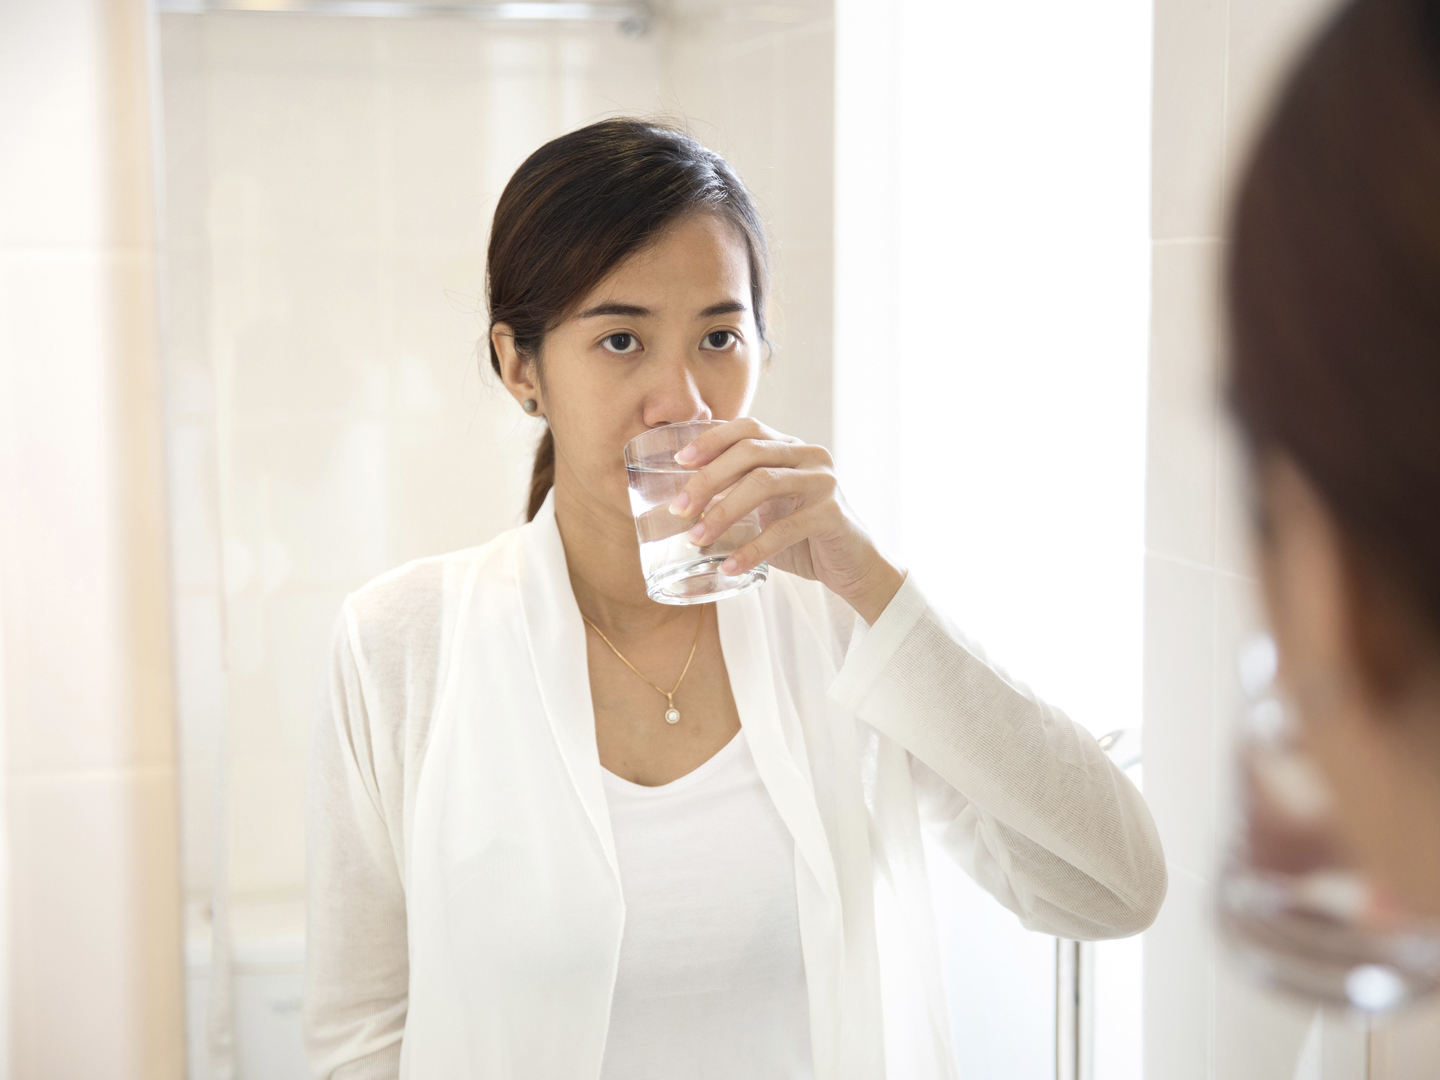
(1179,710)
(796,392)
(439,356)
(1179,979)
(1259,1035)
(516,115)
(731,96)
(803,203)
(603,73)
(198,788)
(1265,40)
(74,106)
(95,927)
(430,47)
(1344,1049)
(1406,1047)
(88,621)
(432,124)
(451,486)
(267,825)
(194,500)
(304,143)
(188,374)
(1180,457)
(184,104)
(296,42)
(307,501)
(1188,118)
(199,675)
(302,626)
(314,338)
(738,28)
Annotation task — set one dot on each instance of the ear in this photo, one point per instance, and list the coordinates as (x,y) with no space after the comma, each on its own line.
(1387,635)
(517,371)
(1339,620)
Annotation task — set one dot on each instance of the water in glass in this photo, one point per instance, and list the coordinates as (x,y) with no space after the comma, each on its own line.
(1294,910)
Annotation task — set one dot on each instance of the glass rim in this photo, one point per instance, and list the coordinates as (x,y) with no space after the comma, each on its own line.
(630,444)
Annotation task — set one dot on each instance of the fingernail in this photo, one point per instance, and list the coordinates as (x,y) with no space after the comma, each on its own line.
(697,532)
(729,566)
(687,454)
(680,505)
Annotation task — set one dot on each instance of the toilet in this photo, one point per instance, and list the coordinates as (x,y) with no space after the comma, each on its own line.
(268,982)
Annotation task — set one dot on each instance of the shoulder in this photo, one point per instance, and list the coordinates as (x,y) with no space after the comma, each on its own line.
(411,606)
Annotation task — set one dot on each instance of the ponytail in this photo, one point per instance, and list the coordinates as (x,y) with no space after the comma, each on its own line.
(542,479)
(581,205)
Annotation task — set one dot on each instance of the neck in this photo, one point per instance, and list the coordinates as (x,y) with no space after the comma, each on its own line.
(602,554)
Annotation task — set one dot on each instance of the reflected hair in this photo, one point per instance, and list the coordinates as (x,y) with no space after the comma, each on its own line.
(581,205)
(1334,286)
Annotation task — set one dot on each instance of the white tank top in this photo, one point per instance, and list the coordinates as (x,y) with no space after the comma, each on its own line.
(711,984)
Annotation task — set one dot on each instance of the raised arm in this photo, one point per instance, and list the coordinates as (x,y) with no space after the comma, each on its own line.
(1021,796)
(357,967)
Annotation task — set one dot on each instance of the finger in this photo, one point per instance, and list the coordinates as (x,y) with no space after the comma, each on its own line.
(738,461)
(785,533)
(714,441)
(758,487)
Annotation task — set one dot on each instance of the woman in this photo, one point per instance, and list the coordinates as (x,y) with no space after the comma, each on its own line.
(517,868)
(1334,297)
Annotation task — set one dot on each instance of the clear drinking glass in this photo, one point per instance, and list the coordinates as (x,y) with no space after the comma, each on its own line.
(1295,912)
(676,570)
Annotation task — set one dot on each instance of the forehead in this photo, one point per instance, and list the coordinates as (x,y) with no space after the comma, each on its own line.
(702,256)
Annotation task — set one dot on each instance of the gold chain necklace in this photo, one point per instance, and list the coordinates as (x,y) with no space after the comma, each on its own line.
(672,714)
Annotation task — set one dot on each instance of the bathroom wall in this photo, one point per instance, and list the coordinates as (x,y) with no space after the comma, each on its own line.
(1216,63)
(89,889)
(329,187)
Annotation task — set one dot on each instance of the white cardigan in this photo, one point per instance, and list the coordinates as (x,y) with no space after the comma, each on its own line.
(463,891)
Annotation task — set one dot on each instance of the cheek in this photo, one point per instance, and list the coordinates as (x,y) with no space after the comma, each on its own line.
(729,387)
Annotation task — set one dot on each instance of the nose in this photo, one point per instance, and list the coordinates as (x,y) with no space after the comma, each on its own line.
(675,396)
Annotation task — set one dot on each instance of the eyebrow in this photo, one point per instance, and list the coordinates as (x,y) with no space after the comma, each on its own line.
(633,311)
(725,307)
(636,311)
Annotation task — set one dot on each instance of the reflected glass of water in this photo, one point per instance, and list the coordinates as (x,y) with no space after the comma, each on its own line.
(676,570)
(1296,913)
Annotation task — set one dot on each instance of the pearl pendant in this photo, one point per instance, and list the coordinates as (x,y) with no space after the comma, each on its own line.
(672,715)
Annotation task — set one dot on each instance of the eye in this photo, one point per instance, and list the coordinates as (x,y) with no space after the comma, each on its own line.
(621,343)
(718,339)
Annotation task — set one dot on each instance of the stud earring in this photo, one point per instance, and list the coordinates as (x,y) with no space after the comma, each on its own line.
(530,405)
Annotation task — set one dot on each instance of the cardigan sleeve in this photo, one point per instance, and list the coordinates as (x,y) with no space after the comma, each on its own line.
(1022,797)
(357,967)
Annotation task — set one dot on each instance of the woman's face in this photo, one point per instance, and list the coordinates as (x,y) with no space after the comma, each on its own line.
(1363,675)
(668,336)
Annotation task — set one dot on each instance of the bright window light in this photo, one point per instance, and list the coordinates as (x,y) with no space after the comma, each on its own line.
(992,240)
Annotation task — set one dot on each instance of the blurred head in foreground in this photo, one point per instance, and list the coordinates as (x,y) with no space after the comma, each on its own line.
(1334,314)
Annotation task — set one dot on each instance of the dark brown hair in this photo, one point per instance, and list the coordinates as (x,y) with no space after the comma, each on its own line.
(577,208)
(1334,285)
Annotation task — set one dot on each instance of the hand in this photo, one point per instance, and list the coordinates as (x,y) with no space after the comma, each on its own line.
(806,526)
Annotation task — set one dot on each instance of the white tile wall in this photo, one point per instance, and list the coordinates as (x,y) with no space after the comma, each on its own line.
(90,954)
(1180,473)
(1179,706)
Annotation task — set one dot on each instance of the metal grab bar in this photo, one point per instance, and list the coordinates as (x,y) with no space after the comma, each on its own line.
(634,17)
(1075,960)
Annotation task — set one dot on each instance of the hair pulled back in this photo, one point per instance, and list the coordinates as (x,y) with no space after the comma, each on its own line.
(1334,285)
(582,204)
